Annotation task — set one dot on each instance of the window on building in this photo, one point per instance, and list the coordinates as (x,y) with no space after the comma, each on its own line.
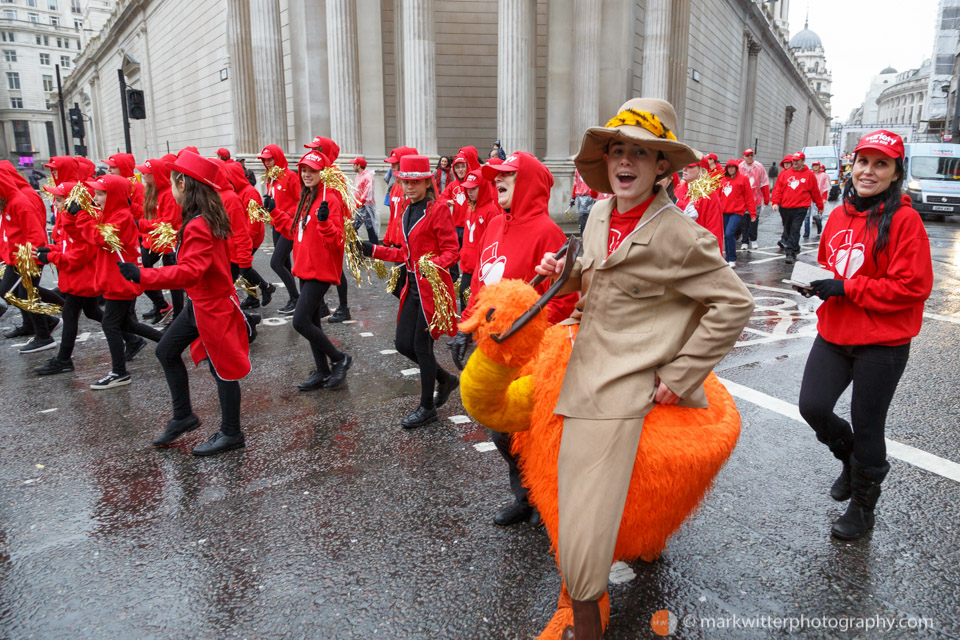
(8,36)
(75,6)
(13,80)
(10,14)
(32,4)
(8,1)
(46,41)
(54,21)
(950,18)
(49,105)
(60,43)
(78,25)
(16,103)
(48,83)
(818,86)
(33,17)
(52,5)
(65,62)
(45,59)
(944,65)
(78,45)
(21,137)
(9,55)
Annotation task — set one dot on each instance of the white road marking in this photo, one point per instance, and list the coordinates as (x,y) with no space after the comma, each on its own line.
(274,322)
(48,410)
(410,372)
(459,419)
(387,352)
(483,447)
(903,452)
(934,316)
(366,334)
(349,322)
(620,573)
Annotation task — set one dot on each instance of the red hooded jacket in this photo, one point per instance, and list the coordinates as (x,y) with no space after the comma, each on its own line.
(393,237)
(21,221)
(709,215)
(884,298)
(515,242)
(454,191)
(203,270)
(433,233)
(286,190)
(317,246)
(475,224)
(126,164)
(74,257)
(796,189)
(86,170)
(116,211)
(239,243)
(246,193)
(736,196)
(167,208)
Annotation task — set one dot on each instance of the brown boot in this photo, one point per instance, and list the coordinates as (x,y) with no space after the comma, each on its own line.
(586,621)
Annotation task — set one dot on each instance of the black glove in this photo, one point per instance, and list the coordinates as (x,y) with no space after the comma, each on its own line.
(366,248)
(42,255)
(458,348)
(572,201)
(269,203)
(824,289)
(129,271)
(323,212)
(74,208)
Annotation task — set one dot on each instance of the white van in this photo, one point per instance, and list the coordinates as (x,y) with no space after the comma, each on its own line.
(933,178)
(829,157)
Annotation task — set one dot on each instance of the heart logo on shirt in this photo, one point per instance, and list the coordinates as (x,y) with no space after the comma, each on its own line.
(793,183)
(460,198)
(727,189)
(751,181)
(846,257)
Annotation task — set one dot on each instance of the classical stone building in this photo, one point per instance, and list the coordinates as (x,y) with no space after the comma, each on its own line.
(440,74)
(808,49)
(945,37)
(903,100)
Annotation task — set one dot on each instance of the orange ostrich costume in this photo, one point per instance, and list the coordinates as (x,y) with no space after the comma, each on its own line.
(514,386)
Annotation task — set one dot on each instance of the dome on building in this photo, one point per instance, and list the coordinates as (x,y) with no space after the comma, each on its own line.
(806,40)
(888,70)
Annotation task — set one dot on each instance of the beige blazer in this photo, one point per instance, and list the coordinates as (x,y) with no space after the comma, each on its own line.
(665,302)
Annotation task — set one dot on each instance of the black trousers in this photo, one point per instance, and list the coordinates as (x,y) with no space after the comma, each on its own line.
(414,341)
(364,218)
(792,221)
(120,316)
(342,291)
(39,322)
(748,228)
(250,275)
(72,306)
(178,337)
(875,372)
(167,259)
(307,322)
(502,442)
(281,264)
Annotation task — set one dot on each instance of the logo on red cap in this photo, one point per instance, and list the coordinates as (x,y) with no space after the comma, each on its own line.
(884,141)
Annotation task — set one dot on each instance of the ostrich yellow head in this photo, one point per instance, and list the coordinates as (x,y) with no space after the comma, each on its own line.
(495,315)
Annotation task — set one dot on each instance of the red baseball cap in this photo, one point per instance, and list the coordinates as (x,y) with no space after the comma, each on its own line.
(223,153)
(266,153)
(702,163)
(145,168)
(815,163)
(490,170)
(883,141)
(799,155)
(712,156)
(732,161)
(458,160)
(414,167)
(316,143)
(97,185)
(110,162)
(748,152)
(54,163)
(315,160)
(472,179)
(197,167)
(360,160)
(62,189)
(398,153)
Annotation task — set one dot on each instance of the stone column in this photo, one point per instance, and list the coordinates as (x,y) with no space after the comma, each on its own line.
(679,39)
(559,79)
(373,130)
(268,71)
(656,50)
(516,74)
(586,65)
(750,93)
(419,75)
(308,36)
(344,75)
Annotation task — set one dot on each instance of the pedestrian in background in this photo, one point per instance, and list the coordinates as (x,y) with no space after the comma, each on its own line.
(582,199)
(366,214)
(876,245)
(760,187)
(736,200)
(796,188)
(442,176)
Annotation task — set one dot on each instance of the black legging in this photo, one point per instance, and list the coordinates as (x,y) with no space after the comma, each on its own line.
(308,323)
(342,290)
(281,264)
(72,306)
(179,335)
(415,342)
(119,316)
(875,372)
(465,280)
(39,322)
(167,259)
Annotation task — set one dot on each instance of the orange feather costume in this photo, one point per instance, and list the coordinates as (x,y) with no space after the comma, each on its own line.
(514,386)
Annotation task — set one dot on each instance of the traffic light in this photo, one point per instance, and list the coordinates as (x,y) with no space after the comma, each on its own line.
(77,128)
(80,150)
(135,105)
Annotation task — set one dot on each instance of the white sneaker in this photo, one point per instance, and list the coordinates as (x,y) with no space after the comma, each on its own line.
(110,381)
(745,246)
(753,245)
(732,264)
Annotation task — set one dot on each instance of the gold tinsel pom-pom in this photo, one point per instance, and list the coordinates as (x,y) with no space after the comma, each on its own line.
(256,213)
(333,178)
(444,306)
(378,267)
(49,183)
(80,196)
(273,174)
(244,284)
(110,237)
(394,278)
(703,186)
(164,236)
(351,251)
(28,269)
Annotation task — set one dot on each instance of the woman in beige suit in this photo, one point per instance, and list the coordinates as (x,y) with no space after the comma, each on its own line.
(659,308)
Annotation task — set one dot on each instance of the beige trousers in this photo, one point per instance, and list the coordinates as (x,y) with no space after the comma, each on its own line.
(594,468)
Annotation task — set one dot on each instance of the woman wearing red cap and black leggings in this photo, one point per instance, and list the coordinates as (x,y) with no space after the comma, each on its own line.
(281,194)
(876,245)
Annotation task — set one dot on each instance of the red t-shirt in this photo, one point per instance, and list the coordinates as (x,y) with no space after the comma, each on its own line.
(623,224)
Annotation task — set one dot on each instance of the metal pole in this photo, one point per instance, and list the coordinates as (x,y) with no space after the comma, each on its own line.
(76,105)
(123,105)
(63,116)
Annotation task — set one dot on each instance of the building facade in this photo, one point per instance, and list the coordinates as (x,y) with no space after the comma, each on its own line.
(36,37)
(902,102)
(945,37)
(441,74)
(808,49)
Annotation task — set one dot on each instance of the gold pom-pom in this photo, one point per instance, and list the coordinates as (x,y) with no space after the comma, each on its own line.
(110,237)
(244,285)
(256,213)
(394,278)
(351,251)
(80,196)
(164,236)
(378,267)
(703,186)
(444,307)
(273,174)
(28,269)
(49,183)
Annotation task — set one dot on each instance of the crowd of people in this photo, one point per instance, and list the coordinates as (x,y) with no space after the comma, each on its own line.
(660,224)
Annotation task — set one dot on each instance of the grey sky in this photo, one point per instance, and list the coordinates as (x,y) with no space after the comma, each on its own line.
(861,37)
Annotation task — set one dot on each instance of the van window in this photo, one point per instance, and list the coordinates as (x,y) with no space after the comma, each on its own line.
(932,168)
(830,163)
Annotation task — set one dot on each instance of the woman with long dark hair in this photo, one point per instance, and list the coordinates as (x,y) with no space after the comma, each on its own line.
(443,173)
(212,324)
(878,249)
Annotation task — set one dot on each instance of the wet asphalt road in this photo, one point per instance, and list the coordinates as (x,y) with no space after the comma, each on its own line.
(334,523)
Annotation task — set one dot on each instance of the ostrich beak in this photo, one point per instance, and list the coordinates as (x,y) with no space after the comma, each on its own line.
(571,247)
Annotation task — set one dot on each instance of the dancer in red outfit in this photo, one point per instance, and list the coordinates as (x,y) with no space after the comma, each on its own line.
(123,164)
(255,231)
(393,237)
(481,210)
(282,194)
(706,211)
(212,324)
(159,207)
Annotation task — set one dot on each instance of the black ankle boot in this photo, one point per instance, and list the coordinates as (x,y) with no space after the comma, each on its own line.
(176,428)
(338,371)
(865,489)
(842,450)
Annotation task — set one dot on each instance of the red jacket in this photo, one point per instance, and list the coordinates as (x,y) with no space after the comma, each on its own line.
(126,164)
(22,220)
(515,242)
(167,208)
(285,191)
(796,189)
(398,204)
(454,191)
(239,243)
(203,270)
(433,233)
(74,258)
(475,225)
(736,195)
(116,211)
(246,193)
(884,298)
(317,246)
(709,215)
